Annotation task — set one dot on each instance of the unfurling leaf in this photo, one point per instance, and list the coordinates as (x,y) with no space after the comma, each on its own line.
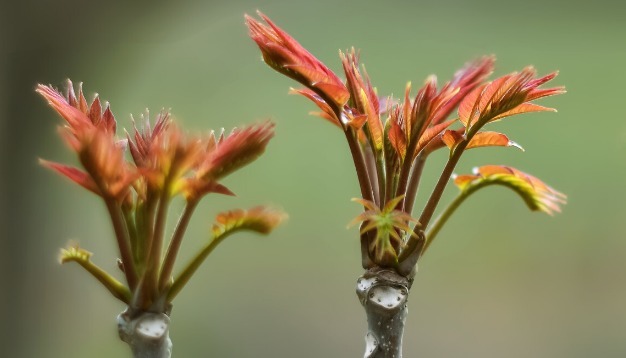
(389,224)
(259,219)
(285,55)
(363,97)
(327,112)
(238,149)
(74,253)
(537,195)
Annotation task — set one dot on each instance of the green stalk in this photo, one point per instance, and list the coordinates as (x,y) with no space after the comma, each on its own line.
(117,289)
(443,218)
(145,222)
(371,164)
(123,241)
(131,224)
(156,246)
(415,178)
(181,280)
(357,153)
(359,165)
(380,171)
(434,198)
(175,242)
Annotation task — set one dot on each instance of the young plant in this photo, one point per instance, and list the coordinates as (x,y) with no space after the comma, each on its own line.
(389,156)
(138,189)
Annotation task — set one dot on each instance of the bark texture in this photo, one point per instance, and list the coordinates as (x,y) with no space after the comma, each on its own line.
(384,295)
(146,333)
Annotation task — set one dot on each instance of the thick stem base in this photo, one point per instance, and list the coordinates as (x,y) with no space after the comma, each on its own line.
(384,295)
(146,333)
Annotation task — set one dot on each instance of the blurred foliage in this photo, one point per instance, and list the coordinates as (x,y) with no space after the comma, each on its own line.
(499,281)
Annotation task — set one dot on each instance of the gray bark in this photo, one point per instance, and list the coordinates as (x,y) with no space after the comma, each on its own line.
(146,333)
(384,295)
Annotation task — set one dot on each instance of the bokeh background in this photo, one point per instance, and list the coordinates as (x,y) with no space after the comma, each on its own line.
(499,282)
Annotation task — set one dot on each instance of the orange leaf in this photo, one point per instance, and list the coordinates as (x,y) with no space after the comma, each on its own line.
(373,124)
(431,133)
(397,137)
(452,137)
(505,96)
(492,139)
(523,108)
(463,180)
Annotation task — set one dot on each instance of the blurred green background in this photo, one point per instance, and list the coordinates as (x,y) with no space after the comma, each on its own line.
(500,281)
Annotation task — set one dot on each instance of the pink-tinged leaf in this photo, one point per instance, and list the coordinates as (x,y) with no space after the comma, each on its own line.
(439,105)
(240,148)
(82,102)
(74,174)
(95,111)
(492,139)
(544,92)
(259,219)
(537,195)
(76,119)
(194,188)
(420,117)
(108,120)
(541,80)
(325,116)
(284,54)
(465,80)
(327,112)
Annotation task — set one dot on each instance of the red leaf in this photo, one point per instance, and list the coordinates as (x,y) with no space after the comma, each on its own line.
(74,174)
(240,148)
(327,112)
(284,54)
